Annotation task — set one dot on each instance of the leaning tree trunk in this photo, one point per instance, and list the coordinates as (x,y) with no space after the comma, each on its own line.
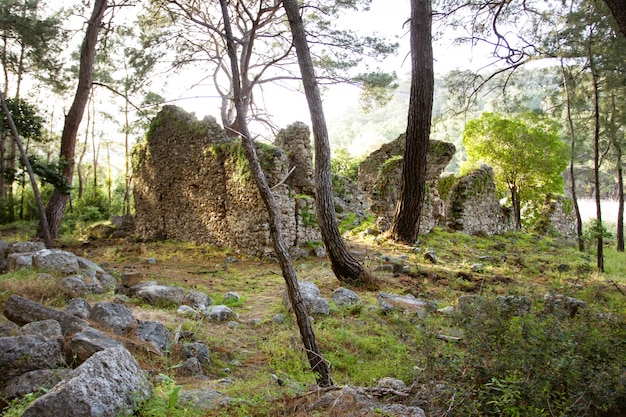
(58,200)
(346,268)
(405,225)
(29,169)
(318,365)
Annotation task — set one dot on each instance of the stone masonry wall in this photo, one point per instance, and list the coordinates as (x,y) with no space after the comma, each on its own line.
(193,184)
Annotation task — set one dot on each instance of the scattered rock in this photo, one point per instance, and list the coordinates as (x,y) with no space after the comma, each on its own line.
(56,260)
(405,303)
(563,305)
(218,313)
(431,256)
(513,305)
(84,344)
(113,316)
(191,367)
(161,295)
(279,318)
(343,296)
(155,333)
(22,247)
(204,399)
(313,301)
(196,350)
(89,265)
(109,384)
(197,299)
(392,383)
(33,381)
(21,354)
(187,311)
(21,311)
(232,296)
(45,328)
(78,307)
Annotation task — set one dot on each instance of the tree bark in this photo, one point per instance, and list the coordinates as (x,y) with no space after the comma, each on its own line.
(405,225)
(596,164)
(346,268)
(318,365)
(58,200)
(620,197)
(618,10)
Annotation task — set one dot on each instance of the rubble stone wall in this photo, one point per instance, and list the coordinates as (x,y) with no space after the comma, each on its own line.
(192,183)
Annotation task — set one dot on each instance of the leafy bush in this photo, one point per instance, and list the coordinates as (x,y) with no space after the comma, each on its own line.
(343,163)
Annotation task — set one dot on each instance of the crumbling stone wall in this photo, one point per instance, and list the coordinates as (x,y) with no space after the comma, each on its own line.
(472,206)
(295,140)
(380,176)
(557,217)
(192,183)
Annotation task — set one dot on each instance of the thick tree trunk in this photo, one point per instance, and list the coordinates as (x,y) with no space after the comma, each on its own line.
(618,10)
(346,268)
(58,200)
(318,365)
(405,225)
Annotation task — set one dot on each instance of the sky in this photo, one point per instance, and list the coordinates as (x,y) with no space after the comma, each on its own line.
(386,17)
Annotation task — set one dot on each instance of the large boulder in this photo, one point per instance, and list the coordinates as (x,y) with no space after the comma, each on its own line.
(155,333)
(21,311)
(33,381)
(109,384)
(160,295)
(86,343)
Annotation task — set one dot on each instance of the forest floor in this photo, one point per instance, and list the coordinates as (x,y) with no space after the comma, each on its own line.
(261,367)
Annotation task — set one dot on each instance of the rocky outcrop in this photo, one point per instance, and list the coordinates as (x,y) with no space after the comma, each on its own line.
(380,176)
(192,183)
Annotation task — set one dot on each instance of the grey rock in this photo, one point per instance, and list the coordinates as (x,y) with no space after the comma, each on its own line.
(21,247)
(90,265)
(187,311)
(392,383)
(4,248)
(109,384)
(21,310)
(45,328)
(78,307)
(56,260)
(113,316)
(161,295)
(232,296)
(21,354)
(343,296)
(203,399)
(218,313)
(320,252)
(563,305)
(233,324)
(431,256)
(298,253)
(477,268)
(151,261)
(513,305)
(313,301)
(196,350)
(196,299)
(405,303)
(279,318)
(84,344)
(155,333)
(191,367)
(19,260)
(33,381)
(8,329)
(107,281)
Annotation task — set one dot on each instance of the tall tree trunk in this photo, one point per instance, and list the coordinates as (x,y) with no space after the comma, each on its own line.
(33,181)
(347,269)
(517,207)
(572,158)
(618,10)
(620,197)
(405,225)
(59,199)
(318,365)
(596,163)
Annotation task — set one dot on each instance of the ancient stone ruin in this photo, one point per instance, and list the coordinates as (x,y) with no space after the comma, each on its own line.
(380,175)
(192,183)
